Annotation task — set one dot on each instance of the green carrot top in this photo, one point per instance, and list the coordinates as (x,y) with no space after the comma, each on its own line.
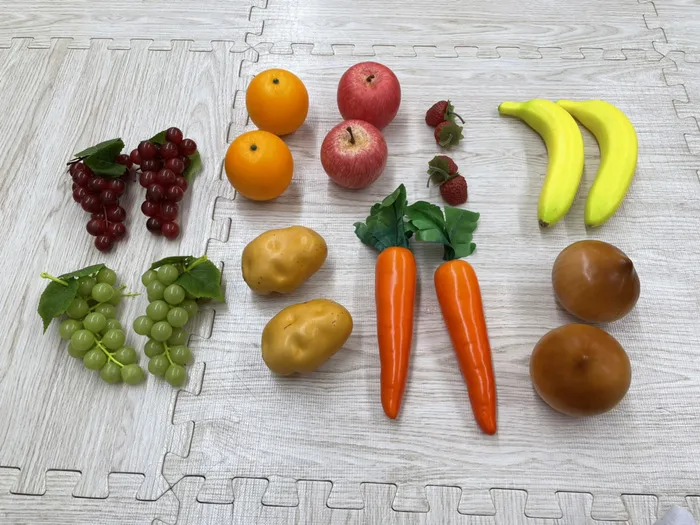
(453,229)
(386,226)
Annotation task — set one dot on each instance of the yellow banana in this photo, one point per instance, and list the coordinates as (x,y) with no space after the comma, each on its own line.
(564,142)
(617,141)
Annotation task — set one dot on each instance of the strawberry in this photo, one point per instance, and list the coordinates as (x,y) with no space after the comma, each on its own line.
(454,191)
(439,112)
(445,172)
(448,134)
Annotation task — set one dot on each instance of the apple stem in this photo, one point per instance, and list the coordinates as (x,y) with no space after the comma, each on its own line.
(370,78)
(352,137)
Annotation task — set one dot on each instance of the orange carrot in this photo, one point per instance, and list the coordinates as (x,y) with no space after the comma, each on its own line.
(459,295)
(395,290)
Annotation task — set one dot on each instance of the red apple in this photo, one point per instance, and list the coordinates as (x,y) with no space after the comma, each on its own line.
(354,154)
(371,92)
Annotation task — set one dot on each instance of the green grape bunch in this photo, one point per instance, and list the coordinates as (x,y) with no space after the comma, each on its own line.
(89,299)
(174,286)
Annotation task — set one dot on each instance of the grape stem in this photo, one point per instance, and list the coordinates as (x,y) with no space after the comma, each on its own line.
(92,308)
(107,353)
(75,161)
(45,275)
(196,263)
(167,352)
(107,221)
(129,294)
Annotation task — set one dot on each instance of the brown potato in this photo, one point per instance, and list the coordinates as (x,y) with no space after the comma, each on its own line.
(282,260)
(580,370)
(595,281)
(303,336)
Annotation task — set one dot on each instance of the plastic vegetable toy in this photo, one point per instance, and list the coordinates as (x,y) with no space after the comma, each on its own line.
(395,291)
(459,296)
(280,261)
(303,336)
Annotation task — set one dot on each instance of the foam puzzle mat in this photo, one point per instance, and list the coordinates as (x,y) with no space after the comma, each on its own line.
(236,445)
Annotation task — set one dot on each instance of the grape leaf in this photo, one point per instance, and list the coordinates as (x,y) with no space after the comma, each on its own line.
(453,229)
(184,260)
(56,299)
(202,281)
(105,168)
(108,149)
(195,166)
(100,158)
(84,272)
(159,138)
(385,226)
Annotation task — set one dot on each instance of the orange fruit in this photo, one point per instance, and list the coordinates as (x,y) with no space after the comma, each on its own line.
(277,101)
(259,165)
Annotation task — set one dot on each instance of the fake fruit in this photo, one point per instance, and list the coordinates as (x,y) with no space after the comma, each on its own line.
(448,134)
(453,186)
(169,162)
(564,144)
(595,281)
(282,260)
(454,191)
(259,165)
(580,370)
(440,112)
(354,154)
(302,337)
(277,101)
(174,286)
(441,168)
(394,290)
(88,298)
(371,92)
(99,175)
(617,141)
(459,296)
